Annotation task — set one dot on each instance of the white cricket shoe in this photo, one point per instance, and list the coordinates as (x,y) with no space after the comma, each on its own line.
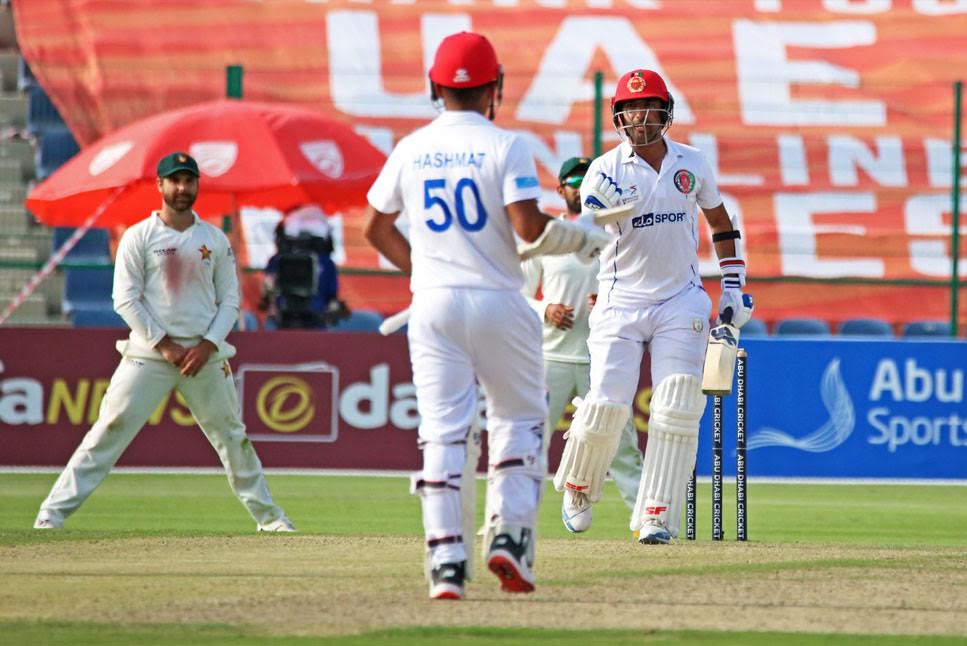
(654,532)
(576,511)
(281,525)
(48,522)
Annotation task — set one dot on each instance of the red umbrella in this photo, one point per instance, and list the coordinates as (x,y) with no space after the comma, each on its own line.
(249,153)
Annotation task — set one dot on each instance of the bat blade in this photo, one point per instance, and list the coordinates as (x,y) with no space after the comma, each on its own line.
(723,344)
(603,217)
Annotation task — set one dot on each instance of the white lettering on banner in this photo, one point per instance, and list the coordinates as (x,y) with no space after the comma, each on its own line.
(940,7)
(916,384)
(897,430)
(847,152)
(709,145)
(939,158)
(924,216)
(567,144)
(793,167)
(857,6)
(355,61)
(765,75)
(21,400)
(561,79)
(797,234)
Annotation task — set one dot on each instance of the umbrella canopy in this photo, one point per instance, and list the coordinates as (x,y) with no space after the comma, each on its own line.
(249,153)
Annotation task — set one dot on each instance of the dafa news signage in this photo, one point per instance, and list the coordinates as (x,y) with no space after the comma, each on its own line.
(850,409)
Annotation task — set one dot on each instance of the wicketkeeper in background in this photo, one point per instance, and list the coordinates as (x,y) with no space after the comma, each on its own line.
(650,294)
(567,288)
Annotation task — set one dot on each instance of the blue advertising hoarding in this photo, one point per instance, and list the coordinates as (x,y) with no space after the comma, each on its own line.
(837,408)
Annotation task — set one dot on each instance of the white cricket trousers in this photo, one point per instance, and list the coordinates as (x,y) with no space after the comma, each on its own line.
(136,389)
(565,380)
(459,337)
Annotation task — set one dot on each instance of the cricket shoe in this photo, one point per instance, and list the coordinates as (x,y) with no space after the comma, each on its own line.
(576,511)
(653,533)
(447,581)
(46,522)
(507,559)
(281,525)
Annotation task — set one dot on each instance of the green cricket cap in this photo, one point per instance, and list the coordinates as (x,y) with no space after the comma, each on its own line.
(574,166)
(178,161)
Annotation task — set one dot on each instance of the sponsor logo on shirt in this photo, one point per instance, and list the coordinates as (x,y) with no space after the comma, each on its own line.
(651,219)
(685,181)
(164,252)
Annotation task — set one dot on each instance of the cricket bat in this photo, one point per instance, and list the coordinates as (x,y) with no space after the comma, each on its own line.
(723,344)
(604,217)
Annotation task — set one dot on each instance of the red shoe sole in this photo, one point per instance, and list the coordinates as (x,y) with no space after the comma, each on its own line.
(448,595)
(510,578)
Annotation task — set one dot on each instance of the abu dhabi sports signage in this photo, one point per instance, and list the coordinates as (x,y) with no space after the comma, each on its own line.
(852,409)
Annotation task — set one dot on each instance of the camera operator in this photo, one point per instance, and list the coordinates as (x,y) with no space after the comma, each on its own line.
(301,284)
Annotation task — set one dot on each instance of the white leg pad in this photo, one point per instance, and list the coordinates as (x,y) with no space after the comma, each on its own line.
(592,442)
(676,410)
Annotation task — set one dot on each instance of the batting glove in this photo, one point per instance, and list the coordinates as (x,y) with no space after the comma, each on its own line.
(602,192)
(733,280)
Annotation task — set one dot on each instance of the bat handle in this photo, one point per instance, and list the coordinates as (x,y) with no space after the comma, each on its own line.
(726,315)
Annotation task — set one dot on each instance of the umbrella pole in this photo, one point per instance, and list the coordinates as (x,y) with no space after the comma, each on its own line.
(234,222)
(58,256)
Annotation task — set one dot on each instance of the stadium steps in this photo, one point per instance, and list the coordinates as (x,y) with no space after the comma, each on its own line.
(14,220)
(13,111)
(9,70)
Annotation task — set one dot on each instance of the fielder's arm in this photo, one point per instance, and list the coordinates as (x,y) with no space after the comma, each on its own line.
(381,232)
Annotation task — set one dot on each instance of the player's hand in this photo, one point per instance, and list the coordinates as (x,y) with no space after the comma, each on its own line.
(560,316)
(602,193)
(196,358)
(595,239)
(592,301)
(741,305)
(171,351)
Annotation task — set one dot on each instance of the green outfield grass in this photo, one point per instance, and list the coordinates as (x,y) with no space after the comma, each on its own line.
(175,559)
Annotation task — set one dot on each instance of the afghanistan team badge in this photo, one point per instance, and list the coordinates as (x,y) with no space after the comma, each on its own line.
(636,83)
(685,181)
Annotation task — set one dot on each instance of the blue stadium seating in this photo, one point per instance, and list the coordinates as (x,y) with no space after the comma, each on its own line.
(865,327)
(41,113)
(97,318)
(359,321)
(755,327)
(926,329)
(92,249)
(56,146)
(802,327)
(87,289)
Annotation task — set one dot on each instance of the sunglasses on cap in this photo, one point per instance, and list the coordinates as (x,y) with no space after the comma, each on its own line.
(574,181)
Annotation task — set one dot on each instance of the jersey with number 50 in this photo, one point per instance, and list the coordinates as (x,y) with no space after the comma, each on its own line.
(453,178)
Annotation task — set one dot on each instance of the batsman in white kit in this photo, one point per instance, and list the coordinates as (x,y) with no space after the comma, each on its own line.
(467,187)
(176,287)
(650,295)
(567,287)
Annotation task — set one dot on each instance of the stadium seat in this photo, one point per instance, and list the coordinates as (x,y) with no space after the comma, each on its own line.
(92,249)
(802,327)
(925,329)
(755,327)
(41,113)
(56,146)
(359,321)
(98,318)
(87,289)
(865,327)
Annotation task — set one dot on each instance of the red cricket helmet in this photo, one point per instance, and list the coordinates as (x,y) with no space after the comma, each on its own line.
(641,84)
(465,60)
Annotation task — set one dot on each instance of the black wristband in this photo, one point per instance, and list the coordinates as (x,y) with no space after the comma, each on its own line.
(726,235)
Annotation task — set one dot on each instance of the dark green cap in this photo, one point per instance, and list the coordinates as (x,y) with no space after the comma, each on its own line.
(171,164)
(574,166)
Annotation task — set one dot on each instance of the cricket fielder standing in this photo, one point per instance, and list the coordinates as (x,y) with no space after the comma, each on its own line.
(650,294)
(567,288)
(175,286)
(467,187)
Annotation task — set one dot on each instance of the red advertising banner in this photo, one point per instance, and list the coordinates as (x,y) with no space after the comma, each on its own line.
(827,122)
(308,399)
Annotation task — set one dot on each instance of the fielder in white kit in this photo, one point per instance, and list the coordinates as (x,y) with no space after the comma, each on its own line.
(467,187)
(566,284)
(650,294)
(176,287)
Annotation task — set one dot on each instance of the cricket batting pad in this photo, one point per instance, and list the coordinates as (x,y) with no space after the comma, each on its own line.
(592,442)
(676,410)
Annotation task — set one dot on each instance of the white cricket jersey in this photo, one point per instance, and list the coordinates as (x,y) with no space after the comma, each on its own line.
(179,283)
(563,279)
(453,178)
(654,254)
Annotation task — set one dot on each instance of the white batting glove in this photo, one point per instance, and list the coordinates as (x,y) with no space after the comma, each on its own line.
(602,193)
(595,240)
(733,280)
